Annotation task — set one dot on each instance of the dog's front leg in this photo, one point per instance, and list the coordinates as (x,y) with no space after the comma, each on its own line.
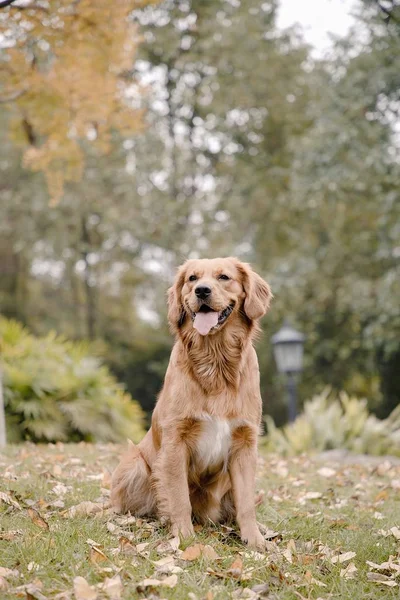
(171,476)
(242,471)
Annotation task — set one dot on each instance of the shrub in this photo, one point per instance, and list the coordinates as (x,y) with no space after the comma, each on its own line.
(55,391)
(329,422)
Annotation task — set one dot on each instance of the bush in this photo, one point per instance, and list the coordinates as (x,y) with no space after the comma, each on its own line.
(330,422)
(55,391)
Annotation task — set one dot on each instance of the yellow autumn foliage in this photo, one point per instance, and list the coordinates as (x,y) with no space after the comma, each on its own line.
(64,71)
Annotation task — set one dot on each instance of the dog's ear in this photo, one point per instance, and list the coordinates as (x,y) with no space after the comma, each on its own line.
(258,292)
(176,311)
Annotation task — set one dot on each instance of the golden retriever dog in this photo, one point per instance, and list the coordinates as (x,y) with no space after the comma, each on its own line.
(198,460)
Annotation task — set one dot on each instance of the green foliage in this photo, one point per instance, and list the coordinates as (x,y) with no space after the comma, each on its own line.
(54,390)
(252,149)
(336,421)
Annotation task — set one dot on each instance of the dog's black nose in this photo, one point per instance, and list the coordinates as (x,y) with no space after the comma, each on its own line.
(202,291)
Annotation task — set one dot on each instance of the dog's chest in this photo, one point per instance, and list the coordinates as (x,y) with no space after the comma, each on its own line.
(213,445)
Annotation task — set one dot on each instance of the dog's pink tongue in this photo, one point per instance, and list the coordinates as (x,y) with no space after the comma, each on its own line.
(203,322)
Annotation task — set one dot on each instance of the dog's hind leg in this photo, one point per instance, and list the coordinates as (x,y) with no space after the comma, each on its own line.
(131,489)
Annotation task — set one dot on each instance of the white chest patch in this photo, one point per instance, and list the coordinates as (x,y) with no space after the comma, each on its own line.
(214,442)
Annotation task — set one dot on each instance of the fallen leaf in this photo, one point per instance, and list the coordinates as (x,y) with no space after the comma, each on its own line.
(197,550)
(349,572)
(341,558)
(141,547)
(59,489)
(126,546)
(245,594)
(82,590)
(262,590)
(10,535)
(312,581)
(33,592)
(37,519)
(83,509)
(123,521)
(380,578)
(168,546)
(6,498)
(396,532)
(166,565)
(96,555)
(312,495)
(382,495)
(378,516)
(113,587)
(169,582)
(326,472)
(236,568)
(4,572)
(389,565)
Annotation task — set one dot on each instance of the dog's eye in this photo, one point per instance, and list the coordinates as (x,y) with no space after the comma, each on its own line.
(193,278)
(224,277)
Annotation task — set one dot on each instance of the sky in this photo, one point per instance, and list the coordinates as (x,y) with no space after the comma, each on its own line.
(318,18)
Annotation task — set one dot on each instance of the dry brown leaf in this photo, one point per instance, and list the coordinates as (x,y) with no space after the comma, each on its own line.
(96,555)
(6,498)
(166,566)
(395,531)
(262,590)
(33,592)
(349,572)
(10,535)
(310,496)
(326,472)
(123,521)
(236,568)
(341,558)
(197,550)
(288,555)
(312,581)
(380,578)
(37,519)
(168,546)
(245,594)
(126,546)
(84,509)
(112,587)
(4,572)
(169,582)
(382,495)
(389,565)
(162,562)
(82,589)
(141,547)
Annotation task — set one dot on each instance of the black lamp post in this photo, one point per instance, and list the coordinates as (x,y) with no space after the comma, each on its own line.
(288,351)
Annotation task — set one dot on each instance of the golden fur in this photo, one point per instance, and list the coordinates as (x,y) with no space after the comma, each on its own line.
(199,457)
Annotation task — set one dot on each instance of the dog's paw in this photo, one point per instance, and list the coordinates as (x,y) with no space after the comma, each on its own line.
(253,539)
(182,530)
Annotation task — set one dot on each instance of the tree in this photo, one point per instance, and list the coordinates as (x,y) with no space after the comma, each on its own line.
(54,98)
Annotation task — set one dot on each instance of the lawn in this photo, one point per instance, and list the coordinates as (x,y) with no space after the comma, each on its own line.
(333,530)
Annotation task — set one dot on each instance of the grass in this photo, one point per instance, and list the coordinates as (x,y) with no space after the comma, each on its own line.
(315,514)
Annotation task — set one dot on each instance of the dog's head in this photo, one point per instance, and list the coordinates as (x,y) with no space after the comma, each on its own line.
(210,292)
